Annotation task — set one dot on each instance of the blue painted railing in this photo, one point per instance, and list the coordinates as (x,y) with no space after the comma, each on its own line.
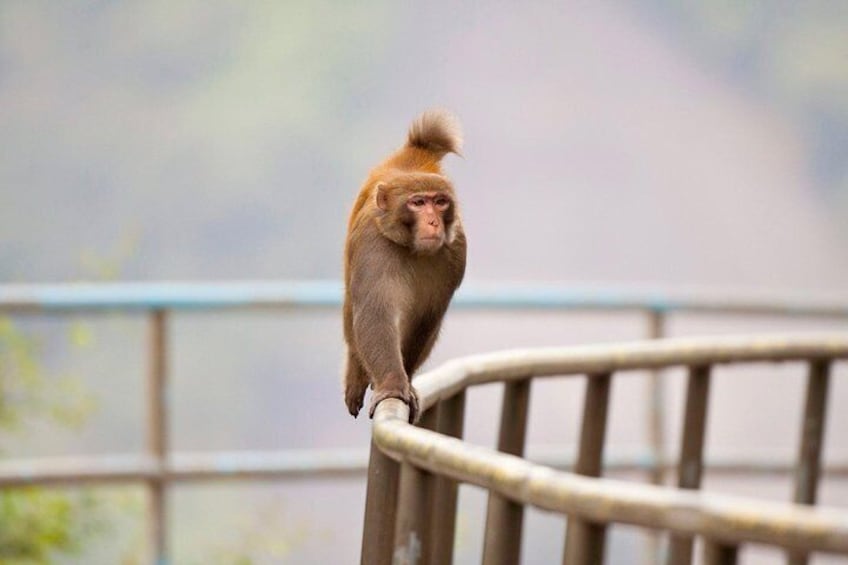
(328,294)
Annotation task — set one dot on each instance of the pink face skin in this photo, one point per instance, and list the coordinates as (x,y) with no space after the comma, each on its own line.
(429,208)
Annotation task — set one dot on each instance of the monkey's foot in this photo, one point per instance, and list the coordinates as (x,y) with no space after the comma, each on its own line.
(355,397)
(407,394)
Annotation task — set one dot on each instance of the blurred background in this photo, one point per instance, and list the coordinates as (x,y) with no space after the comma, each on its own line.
(651,143)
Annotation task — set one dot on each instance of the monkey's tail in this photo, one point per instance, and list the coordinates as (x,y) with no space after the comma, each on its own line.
(437,131)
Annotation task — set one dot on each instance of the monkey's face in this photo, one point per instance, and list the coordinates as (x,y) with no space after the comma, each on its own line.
(417,215)
(432,213)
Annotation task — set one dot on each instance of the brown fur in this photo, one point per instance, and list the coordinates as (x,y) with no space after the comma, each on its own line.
(398,283)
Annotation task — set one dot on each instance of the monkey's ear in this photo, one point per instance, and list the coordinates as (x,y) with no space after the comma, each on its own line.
(381,196)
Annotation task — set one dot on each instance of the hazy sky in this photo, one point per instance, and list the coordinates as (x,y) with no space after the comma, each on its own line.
(603,142)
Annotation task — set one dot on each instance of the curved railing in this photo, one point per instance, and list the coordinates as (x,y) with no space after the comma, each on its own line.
(159,466)
(414,470)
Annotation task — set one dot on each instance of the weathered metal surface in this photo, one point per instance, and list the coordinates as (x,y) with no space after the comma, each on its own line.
(730,463)
(733,520)
(382,495)
(413,539)
(584,541)
(691,463)
(328,294)
(812,435)
(718,553)
(322,464)
(504,518)
(451,420)
(459,374)
(157,432)
(656,404)
(655,429)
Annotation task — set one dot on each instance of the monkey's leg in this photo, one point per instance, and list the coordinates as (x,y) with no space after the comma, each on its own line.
(420,343)
(378,348)
(355,384)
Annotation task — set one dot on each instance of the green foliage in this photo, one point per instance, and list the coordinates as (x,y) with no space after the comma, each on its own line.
(26,393)
(38,523)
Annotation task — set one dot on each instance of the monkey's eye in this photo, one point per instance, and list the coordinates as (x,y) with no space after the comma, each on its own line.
(417,202)
(442,202)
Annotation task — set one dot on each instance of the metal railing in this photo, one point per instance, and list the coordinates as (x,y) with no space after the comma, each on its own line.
(414,471)
(159,466)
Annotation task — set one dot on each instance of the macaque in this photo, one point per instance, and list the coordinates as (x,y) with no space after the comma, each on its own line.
(404,258)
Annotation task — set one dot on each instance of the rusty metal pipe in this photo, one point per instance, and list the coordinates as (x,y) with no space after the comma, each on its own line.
(157,433)
(691,452)
(584,541)
(808,468)
(450,424)
(504,518)
(719,553)
(381,499)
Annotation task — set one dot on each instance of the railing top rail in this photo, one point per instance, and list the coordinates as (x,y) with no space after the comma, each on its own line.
(716,516)
(480,296)
(732,519)
(458,374)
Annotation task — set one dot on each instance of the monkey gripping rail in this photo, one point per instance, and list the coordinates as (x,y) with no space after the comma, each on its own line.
(414,470)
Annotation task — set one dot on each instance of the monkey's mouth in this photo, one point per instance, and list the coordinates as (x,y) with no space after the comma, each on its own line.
(429,244)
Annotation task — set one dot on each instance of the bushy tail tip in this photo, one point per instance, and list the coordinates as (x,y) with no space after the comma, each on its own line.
(437,131)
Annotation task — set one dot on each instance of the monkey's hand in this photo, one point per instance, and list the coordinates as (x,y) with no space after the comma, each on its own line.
(396,387)
(354,398)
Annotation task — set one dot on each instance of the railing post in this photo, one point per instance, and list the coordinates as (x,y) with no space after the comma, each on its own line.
(502,544)
(691,452)
(717,553)
(655,427)
(584,541)
(808,468)
(656,405)
(450,422)
(380,509)
(157,434)
(413,541)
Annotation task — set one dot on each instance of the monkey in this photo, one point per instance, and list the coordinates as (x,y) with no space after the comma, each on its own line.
(404,258)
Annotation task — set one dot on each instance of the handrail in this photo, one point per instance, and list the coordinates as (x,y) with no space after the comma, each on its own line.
(330,463)
(730,518)
(458,374)
(160,465)
(480,296)
(722,519)
(289,464)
